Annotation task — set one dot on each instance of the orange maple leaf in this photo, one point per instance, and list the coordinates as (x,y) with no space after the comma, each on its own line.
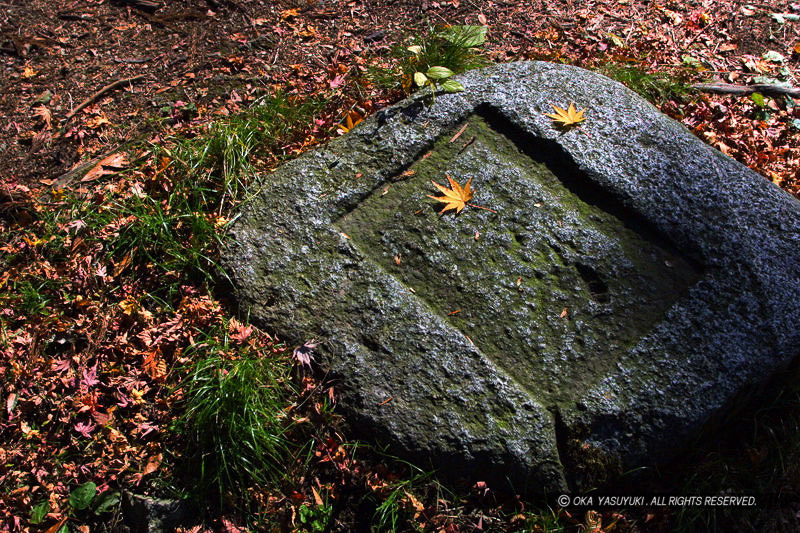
(456,197)
(352,119)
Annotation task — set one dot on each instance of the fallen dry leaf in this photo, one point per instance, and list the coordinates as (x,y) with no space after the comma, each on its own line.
(108,165)
(317,499)
(566,117)
(352,119)
(97,121)
(415,504)
(290,13)
(152,464)
(57,526)
(43,113)
(456,197)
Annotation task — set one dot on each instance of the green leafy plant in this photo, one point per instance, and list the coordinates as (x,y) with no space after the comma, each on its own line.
(82,496)
(455,48)
(442,54)
(39,512)
(315,518)
(762,109)
(81,499)
(437,78)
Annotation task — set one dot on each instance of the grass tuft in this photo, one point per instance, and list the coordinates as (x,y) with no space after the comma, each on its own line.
(235,147)
(656,87)
(234,417)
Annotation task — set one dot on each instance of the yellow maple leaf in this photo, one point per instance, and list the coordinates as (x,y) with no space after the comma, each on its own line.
(352,119)
(456,197)
(566,117)
(28,72)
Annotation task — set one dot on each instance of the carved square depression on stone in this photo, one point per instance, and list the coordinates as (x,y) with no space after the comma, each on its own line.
(552,287)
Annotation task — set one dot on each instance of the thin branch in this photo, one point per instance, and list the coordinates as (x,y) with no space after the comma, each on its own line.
(484,208)
(110,87)
(763,88)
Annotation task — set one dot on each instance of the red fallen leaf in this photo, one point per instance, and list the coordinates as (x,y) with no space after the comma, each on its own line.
(154,366)
(145,428)
(90,376)
(240,331)
(43,113)
(152,464)
(297,497)
(303,353)
(336,82)
(230,527)
(89,402)
(85,429)
(415,504)
(11,402)
(101,418)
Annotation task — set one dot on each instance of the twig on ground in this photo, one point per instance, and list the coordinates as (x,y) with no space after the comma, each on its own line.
(110,87)
(144,4)
(763,88)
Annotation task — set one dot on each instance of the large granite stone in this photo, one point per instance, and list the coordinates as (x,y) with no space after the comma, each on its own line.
(631,283)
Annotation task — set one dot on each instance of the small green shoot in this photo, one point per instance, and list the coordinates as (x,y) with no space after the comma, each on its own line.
(762,109)
(438,58)
(316,518)
(39,512)
(81,497)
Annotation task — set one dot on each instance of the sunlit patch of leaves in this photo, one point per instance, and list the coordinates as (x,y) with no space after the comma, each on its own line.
(759,133)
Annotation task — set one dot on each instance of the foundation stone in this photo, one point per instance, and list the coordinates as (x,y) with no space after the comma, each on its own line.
(627,283)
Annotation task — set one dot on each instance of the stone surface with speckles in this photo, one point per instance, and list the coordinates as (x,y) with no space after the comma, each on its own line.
(623,284)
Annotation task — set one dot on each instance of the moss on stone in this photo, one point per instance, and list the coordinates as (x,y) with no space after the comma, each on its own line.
(507,289)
